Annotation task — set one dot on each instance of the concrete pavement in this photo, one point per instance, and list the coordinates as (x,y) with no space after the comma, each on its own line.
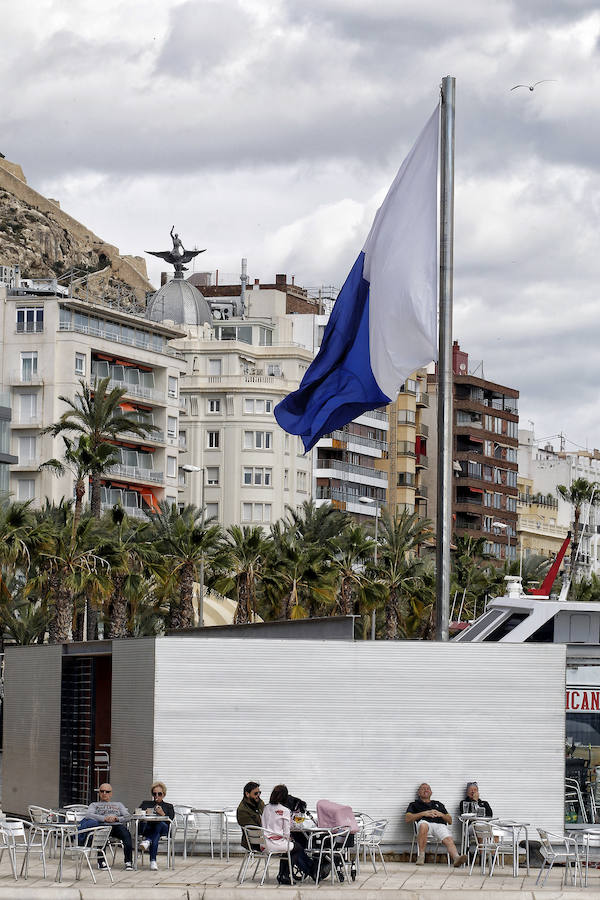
(200,878)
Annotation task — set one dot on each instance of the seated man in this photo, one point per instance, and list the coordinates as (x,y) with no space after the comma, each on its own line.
(153,831)
(472,797)
(249,811)
(433,818)
(106,811)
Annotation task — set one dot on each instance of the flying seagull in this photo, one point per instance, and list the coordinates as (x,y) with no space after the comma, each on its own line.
(532,86)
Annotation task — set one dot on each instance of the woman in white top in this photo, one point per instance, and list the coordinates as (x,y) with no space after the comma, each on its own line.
(276,819)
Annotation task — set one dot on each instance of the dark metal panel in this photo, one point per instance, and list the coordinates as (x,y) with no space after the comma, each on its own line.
(132,720)
(326,628)
(30,765)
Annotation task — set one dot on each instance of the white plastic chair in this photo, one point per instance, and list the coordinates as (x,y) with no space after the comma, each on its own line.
(561,849)
(573,795)
(369,838)
(6,844)
(256,835)
(186,827)
(96,841)
(333,848)
(486,846)
(436,843)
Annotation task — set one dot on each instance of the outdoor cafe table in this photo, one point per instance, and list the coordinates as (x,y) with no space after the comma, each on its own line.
(515,829)
(589,835)
(134,827)
(467,819)
(224,827)
(61,830)
(311,830)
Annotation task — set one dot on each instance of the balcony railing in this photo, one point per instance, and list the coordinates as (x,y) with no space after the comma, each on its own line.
(376,414)
(422,398)
(405,448)
(422,461)
(346,437)
(340,466)
(30,327)
(157,436)
(137,390)
(423,430)
(421,491)
(134,511)
(406,479)
(137,473)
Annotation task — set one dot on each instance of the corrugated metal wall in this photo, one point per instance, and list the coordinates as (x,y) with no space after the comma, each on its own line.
(132,720)
(363,723)
(31,757)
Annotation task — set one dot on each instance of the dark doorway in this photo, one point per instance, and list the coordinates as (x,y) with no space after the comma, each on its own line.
(85,727)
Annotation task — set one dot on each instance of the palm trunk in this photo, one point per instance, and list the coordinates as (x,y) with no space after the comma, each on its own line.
(117,614)
(183,614)
(346,597)
(391,617)
(96,500)
(242,613)
(62,614)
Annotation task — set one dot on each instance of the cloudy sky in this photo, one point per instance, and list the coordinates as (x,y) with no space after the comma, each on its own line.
(271,129)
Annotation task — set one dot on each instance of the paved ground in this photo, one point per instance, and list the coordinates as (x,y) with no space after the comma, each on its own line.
(201,878)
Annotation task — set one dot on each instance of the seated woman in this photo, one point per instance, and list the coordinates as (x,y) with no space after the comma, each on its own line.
(472,796)
(153,831)
(276,819)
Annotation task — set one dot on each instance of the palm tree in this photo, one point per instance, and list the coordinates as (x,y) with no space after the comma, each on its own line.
(129,553)
(398,566)
(580,492)
(96,413)
(183,541)
(358,591)
(473,575)
(239,567)
(316,524)
(81,461)
(299,581)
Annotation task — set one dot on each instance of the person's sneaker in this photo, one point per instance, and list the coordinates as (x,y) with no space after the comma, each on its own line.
(102,864)
(144,845)
(129,866)
(421,859)
(460,861)
(153,865)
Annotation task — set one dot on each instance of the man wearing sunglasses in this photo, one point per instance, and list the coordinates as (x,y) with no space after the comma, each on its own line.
(106,811)
(249,811)
(153,831)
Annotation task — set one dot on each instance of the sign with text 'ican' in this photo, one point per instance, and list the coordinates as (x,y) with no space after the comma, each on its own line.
(583,700)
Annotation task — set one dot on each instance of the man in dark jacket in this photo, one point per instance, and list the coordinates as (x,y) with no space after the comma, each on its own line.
(249,811)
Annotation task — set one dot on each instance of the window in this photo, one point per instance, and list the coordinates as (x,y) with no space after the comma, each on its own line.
(258,440)
(301,480)
(30,319)
(488,498)
(274,369)
(214,406)
(257,476)
(28,408)
(497,501)
(214,366)
(171,466)
(212,511)
(212,474)
(80,363)
(256,406)
(29,365)
(172,386)
(25,489)
(256,512)
(27,448)
(182,439)
(172,426)
(406,417)
(286,443)
(212,440)
(286,479)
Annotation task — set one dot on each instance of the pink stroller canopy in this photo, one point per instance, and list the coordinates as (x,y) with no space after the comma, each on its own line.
(335,815)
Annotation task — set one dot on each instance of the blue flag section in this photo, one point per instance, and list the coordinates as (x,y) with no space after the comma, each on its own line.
(339,384)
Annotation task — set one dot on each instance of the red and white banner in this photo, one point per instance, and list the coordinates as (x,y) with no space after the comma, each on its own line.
(583,700)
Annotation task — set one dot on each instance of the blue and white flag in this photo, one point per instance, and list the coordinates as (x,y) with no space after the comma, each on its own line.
(384,322)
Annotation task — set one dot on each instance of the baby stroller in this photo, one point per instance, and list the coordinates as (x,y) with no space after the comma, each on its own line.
(335,815)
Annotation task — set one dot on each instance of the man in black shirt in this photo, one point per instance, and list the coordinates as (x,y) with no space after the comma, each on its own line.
(432,818)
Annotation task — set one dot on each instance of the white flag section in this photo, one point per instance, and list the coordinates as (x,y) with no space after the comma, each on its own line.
(383,324)
(401,266)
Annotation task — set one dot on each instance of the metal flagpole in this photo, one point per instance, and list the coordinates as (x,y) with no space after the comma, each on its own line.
(444,418)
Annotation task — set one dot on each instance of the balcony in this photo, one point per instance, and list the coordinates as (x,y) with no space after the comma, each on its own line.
(33,421)
(421,491)
(344,437)
(158,437)
(405,448)
(422,398)
(350,468)
(422,430)
(137,390)
(422,461)
(25,379)
(135,512)
(406,479)
(139,474)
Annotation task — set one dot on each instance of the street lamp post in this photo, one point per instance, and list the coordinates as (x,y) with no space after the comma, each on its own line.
(370,501)
(189,468)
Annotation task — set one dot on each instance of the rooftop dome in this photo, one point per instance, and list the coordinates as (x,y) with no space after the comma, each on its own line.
(180,302)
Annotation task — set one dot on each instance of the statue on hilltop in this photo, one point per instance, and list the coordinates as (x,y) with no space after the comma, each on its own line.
(178,255)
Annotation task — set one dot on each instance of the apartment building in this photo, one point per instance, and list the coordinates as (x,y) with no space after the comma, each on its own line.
(408,459)
(51,342)
(484,453)
(284,323)
(6,457)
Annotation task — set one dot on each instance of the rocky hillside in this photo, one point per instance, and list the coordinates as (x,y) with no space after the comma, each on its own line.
(44,241)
